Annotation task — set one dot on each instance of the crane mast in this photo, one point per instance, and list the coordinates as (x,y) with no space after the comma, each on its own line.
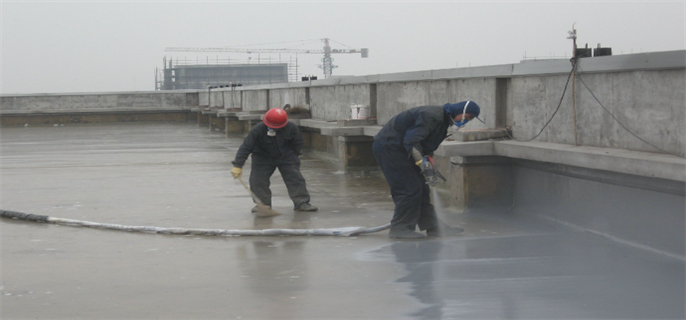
(327,61)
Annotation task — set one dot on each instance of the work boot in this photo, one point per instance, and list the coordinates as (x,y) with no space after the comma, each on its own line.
(306,207)
(405,233)
(264,211)
(443,231)
(257,208)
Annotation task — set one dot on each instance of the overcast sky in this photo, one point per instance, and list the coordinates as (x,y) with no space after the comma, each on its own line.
(104,46)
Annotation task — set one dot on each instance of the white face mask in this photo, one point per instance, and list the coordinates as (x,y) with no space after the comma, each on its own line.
(271,132)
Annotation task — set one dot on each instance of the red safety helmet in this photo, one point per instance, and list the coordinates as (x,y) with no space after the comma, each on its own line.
(275,118)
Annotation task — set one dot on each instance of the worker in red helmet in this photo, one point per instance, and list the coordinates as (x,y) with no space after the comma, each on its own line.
(274,143)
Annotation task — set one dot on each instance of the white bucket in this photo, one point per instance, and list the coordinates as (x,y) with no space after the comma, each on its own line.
(359,111)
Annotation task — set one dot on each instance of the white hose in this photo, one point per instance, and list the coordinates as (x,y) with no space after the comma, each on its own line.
(345,231)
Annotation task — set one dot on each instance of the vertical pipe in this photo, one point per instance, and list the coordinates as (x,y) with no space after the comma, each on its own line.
(574,62)
(576,142)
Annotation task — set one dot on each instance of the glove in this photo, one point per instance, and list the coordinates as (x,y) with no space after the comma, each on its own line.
(236,172)
(428,170)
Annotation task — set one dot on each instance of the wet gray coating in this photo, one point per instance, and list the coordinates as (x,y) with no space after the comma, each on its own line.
(503,266)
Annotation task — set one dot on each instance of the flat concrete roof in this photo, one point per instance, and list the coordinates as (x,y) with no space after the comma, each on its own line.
(177,175)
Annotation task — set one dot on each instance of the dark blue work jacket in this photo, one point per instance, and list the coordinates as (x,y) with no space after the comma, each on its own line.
(421,127)
(287,142)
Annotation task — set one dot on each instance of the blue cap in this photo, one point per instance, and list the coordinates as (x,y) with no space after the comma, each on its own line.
(456,109)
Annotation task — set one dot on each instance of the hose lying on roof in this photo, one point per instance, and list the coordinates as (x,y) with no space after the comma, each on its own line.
(346,231)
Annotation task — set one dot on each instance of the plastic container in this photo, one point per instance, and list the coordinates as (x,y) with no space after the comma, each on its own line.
(359,111)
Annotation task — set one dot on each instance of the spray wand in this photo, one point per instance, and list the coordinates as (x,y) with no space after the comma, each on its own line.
(431,174)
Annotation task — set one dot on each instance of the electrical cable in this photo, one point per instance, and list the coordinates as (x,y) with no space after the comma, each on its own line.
(622,125)
(573,60)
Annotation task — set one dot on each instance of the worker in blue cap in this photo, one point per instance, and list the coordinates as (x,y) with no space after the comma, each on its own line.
(404,149)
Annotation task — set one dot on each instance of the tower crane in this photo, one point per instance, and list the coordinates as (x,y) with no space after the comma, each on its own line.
(327,61)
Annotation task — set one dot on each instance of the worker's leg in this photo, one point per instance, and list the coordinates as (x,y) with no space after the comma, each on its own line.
(261,170)
(406,183)
(294,180)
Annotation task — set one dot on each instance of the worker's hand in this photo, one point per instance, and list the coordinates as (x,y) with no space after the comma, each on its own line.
(236,172)
(428,170)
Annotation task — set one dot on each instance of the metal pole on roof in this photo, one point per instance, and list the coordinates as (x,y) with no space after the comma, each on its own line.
(572,35)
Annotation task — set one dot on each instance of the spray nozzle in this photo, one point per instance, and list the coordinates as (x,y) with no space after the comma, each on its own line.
(430,172)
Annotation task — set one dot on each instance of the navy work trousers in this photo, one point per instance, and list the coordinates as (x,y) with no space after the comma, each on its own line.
(409,190)
(261,171)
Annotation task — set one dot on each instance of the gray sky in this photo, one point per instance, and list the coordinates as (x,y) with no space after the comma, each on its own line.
(102,46)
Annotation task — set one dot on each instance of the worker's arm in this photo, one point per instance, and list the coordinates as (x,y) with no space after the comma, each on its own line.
(423,125)
(245,149)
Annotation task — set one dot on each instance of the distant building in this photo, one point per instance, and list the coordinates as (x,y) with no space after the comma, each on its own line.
(199,76)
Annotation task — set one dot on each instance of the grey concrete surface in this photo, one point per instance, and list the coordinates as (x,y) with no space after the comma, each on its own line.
(177,175)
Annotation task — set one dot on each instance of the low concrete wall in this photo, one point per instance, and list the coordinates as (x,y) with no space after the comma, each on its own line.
(93,101)
(648,103)
(254,100)
(396,97)
(332,103)
(82,108)
(296,97)
(645,92)
(61,118)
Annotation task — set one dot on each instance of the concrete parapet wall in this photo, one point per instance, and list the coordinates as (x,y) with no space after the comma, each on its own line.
(92,101)
(395,97)
(648,103)
(333,103)
(233,100)
(255,100)
(296,97)
(645,92)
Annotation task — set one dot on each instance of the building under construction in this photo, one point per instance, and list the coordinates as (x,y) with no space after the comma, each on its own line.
(252,74)
(178,75)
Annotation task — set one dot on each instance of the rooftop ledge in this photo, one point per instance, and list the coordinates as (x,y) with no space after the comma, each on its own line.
(91,111)
(471,143)
(646,164)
